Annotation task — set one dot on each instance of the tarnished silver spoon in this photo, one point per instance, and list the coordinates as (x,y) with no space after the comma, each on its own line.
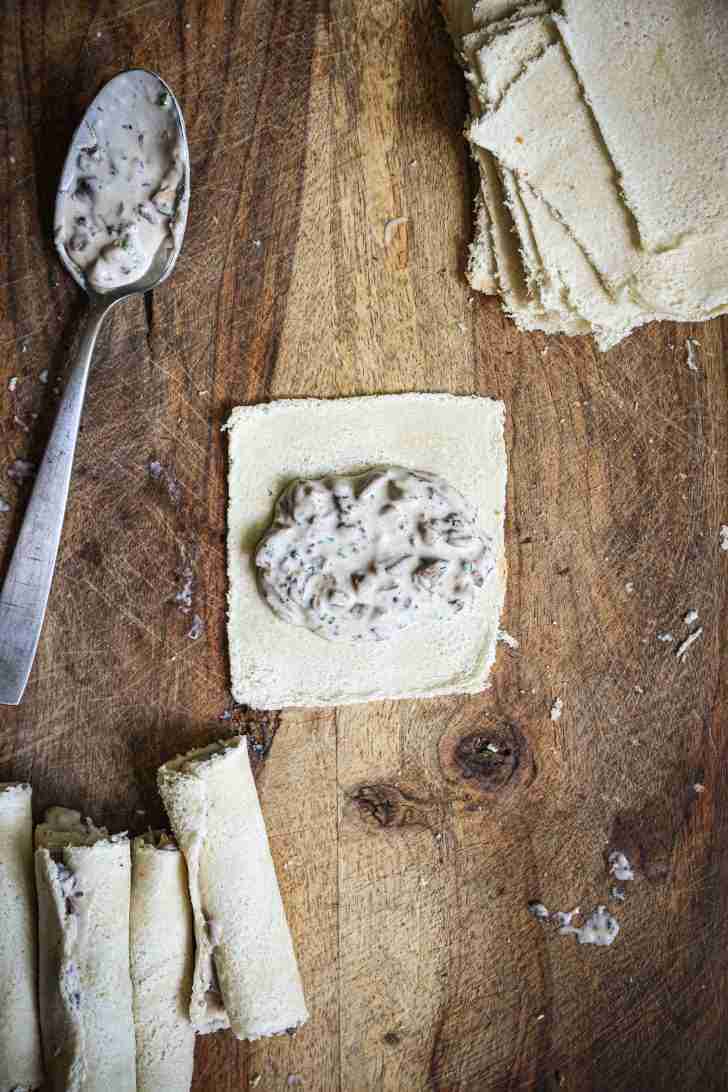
(120,217)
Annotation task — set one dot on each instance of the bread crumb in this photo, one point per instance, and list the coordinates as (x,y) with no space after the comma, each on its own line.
(390,227)
(629,587)
(557,709)
(683,648)
(698,788)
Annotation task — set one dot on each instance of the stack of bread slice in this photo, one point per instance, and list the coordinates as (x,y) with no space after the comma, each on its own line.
(600,132)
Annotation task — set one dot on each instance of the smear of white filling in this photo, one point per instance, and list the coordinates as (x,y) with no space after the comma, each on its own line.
(391,226)
(619,866)
(600,928)
(690,640)
(691,345)
(362,557)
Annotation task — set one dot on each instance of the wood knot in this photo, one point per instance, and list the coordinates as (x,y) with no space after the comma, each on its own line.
(495,759)
(384,805)
(491,761)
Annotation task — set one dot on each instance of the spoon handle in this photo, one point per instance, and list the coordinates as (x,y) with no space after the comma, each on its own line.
(24,594)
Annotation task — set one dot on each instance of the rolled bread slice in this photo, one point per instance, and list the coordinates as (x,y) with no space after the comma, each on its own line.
(245,976)
(161,955)
(543,130)
(83,885)
(21,1065)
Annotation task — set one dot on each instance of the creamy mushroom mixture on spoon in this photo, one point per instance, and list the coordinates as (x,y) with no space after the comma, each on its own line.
(362,557)
(122,193)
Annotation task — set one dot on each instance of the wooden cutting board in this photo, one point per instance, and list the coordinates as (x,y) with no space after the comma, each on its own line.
(406,854)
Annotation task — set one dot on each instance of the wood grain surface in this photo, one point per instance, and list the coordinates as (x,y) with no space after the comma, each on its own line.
(406,857)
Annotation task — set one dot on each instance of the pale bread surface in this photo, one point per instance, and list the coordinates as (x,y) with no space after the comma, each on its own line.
(161,944)
(495,69)
(239,920)
(88,1040)
(655,76)
(481,261)
(544,130)
(275,664)
(21,1063)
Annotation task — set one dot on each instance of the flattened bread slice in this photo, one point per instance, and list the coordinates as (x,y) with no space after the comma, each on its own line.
(245,976)
(544,131)
(161,956)
(84,982)
(654,73)
(20,1050)
(543,303)
(610,318)
(275,664)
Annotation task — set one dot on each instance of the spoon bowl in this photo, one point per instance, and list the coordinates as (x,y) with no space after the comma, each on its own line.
(120,219)
(147,102)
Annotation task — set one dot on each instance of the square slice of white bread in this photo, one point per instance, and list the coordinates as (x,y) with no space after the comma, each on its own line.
(654,74)
(275,664)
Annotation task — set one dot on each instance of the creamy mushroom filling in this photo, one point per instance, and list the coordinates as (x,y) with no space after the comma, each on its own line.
(121,187)
(362,557)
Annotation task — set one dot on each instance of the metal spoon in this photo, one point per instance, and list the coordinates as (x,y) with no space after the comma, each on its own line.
(28,581)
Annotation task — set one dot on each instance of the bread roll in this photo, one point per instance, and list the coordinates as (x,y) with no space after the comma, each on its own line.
(20,1050)
(245,976)
(83,880)
(161,948)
